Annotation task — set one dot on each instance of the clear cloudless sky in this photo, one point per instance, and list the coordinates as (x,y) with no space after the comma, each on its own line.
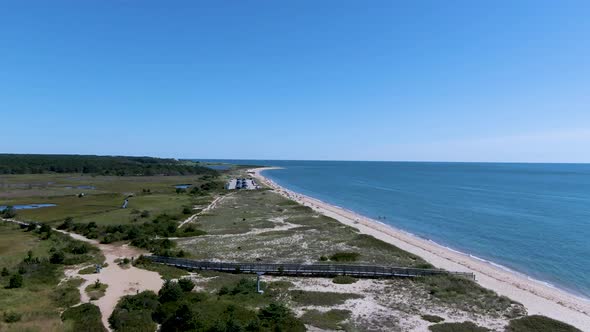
(343,80)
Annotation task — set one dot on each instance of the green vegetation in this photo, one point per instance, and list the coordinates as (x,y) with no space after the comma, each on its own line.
(321,298)
(537,323)
(85,317)
(104,165)
(149,235)
(134,313)
(457,327)
(432,318)
(344,280)
(345,256)
(96,290)
(258,217)
(88,270)
(466,294)
(329,320)
(176,308)
(31,256)
(167,272)
(67,294)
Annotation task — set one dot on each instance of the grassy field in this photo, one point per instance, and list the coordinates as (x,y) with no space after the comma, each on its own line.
(266,227)
(37,303)
(103,196)
(33,301)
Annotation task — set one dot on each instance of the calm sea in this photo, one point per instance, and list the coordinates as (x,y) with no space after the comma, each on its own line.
(530,218)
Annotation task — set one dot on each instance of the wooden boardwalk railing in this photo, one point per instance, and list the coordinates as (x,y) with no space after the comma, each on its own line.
(318,270)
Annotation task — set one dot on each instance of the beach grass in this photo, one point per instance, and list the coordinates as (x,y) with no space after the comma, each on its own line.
(539,323)
(96,290)
(329,320)
(324,299)
(264,226)
(458,327)
(167,272)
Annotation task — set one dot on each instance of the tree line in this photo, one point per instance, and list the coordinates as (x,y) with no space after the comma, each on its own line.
(99,165)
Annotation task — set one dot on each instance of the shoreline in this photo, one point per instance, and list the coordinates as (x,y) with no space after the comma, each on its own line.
(537,296)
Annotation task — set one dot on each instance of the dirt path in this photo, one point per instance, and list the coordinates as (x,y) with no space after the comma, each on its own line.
(211,206)
(121,281)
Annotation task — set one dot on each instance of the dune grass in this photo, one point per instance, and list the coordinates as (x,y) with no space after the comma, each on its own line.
(539,323)
(457,327)
(329,320)
(325,299)
(85,317)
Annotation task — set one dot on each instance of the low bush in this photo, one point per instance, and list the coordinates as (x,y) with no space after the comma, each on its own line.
(344,280)
(12,317)
(67,294)
(345,256)
(85,317)
(329,320)
(539,323)
(15,281)
(432,318)
(457,327)
(321,298)
(134,312)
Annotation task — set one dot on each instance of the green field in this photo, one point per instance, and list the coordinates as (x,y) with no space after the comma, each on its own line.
(103,203)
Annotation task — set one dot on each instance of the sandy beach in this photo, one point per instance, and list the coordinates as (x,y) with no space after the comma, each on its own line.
(537,297)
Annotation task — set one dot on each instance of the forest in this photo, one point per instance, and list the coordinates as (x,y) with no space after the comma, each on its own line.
(99,165)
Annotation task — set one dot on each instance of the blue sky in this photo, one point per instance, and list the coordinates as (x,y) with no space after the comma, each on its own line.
(344,80)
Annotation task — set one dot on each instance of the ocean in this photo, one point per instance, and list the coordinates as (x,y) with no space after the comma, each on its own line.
(533,219)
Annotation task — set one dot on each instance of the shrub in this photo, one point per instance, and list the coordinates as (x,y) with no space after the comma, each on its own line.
(277,317)
(16,281)
(67,224)
(457,327)
(186,284)
(5,272)
(345,256)
(323,258)
(432,318)
(186,210)
(329,320)
(12,317)
(344,280)
(134,312)
(57,257)
(8,212)
(170,291)
(539,323)
(85,317)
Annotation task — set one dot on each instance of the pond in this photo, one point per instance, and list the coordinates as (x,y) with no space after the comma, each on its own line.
(27,206)
(182,186)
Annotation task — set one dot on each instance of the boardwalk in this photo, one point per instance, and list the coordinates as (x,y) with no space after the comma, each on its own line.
(311,270)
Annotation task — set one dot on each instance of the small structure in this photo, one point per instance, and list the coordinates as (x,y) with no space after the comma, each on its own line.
(258,290)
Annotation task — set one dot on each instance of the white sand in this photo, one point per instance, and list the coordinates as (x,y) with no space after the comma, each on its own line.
(537,297)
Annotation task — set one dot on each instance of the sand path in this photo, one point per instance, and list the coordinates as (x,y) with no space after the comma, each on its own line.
(537,297)
(121,281)
(211,206)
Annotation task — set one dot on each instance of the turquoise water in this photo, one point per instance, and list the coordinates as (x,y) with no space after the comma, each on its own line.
(530,218)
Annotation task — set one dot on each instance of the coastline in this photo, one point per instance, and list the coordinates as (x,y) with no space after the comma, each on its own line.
(538,297)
